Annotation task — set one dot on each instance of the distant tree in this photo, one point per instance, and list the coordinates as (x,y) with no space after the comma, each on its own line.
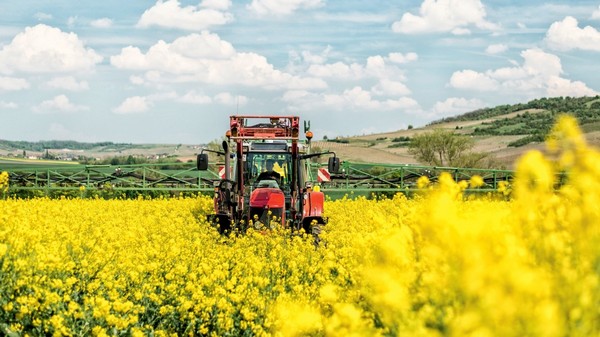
(410,126)
(443,148)
(216,145)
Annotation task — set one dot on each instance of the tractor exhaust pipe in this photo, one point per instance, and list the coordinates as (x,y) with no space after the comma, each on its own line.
(227,160)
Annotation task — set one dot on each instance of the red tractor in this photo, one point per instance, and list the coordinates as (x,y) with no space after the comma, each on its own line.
(266,178)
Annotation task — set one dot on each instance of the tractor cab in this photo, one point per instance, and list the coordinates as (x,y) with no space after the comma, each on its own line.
(268,167)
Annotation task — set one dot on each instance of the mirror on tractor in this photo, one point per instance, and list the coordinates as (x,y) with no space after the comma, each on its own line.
(202,162)
(333,165)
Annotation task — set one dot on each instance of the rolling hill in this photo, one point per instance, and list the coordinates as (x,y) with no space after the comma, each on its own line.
(505,132)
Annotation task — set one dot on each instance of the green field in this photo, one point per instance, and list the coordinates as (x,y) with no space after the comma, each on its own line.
(11,163)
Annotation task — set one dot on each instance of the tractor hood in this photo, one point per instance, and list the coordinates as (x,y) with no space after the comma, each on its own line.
(267,197)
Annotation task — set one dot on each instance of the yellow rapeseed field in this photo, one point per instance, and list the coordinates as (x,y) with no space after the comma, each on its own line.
(438,264)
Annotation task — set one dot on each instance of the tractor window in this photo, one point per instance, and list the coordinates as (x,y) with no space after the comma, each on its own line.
(258,163)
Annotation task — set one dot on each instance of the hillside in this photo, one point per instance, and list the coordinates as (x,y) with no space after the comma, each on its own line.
(505,132)
(85,152)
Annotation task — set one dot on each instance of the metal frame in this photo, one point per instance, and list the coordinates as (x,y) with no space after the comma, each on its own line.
(403,176)
(355,177)
(144,177)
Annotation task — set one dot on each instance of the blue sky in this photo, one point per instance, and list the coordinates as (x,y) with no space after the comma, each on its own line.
(172,71)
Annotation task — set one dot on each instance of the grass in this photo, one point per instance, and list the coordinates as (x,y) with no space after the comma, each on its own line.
(591,127)
(9,163)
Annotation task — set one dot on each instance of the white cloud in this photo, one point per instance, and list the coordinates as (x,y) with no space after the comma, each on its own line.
(355,17)
(558,86)
(387,87)
(199,98)
(135,104)
(403,58)
(472,80)
(496,49)
(68,83)
(354,99)
(71,21)
(454,106)
(8,105)
(102,23)
(337,70)
(170,14)
(596,14)
(453,16)
(44,49)
(309,57)
(566,35)
(40,16)
(375,67)
(226,98)
(206,58)
(221,5)
(282,7)
(194,97)
(137,80)
(461,31)
(539,75)
(13,84)
(60,103)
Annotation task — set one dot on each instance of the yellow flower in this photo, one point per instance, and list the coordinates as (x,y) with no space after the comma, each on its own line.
(476,181)
(422,182)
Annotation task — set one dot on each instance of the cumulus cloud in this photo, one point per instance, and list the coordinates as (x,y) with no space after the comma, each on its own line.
(375,67)
(68,83)
(282,7)
(194,97)
(102,23)
(71,21)
(170,14)
(41,16)
(387,87)
(135,104)
(206,58)
(308,57)
(200,98)
(339,70)
(8,105)
(352,99)
(403,58)
(60,103)
(539,75)
(454,16)
(455,106)
(221,5)
(596,14)
(226,98)
(472,80)
(348,89)
(13,84)
(566,35)
(44,49)
(496,49)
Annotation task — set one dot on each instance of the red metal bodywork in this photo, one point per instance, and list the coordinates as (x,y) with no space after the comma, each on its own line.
(269,199)
(313,204)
